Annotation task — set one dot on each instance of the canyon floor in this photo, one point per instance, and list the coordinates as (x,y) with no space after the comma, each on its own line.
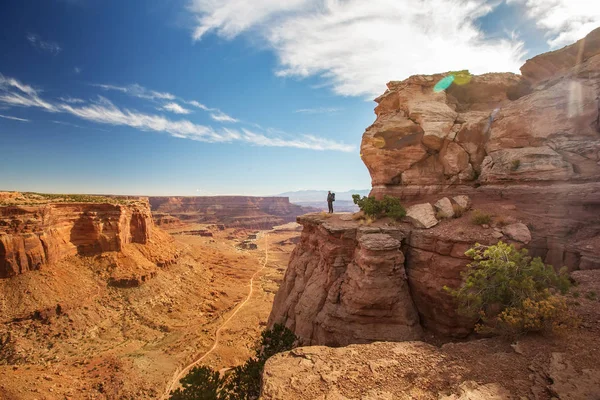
(93,341)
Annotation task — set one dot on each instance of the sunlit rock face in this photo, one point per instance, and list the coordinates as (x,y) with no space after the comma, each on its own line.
(35,237)
(541,126)
(531,139)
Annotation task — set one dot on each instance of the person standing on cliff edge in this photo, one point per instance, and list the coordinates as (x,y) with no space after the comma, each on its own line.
(330,200)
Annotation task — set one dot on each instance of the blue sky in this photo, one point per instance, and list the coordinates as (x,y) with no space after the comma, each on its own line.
(202,97)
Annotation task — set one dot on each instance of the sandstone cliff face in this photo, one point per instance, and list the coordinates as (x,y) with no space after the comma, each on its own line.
(346,285)
(34,236)
(234,211)
(495,128)
(349,283)
(524,147)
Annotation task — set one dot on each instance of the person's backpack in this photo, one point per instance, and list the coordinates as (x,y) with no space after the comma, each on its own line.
(332,196)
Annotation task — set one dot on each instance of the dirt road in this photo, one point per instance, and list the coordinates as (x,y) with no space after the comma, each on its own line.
(180,373)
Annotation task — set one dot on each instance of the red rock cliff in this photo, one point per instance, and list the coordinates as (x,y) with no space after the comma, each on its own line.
(234,211)
(33,236)
(525,148)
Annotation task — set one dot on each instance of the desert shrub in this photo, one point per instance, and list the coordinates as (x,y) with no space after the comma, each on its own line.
(458,210)
(511,292)
(550,315)
(389,206)
(243,381)
(514,165)
(480,218)
(592,295)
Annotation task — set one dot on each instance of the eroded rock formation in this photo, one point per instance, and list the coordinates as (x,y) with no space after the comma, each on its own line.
(524,148)
(32,237)
(233,211)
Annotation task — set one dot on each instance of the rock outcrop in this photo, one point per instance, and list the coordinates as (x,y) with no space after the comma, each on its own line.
(525,149)
(233,211)
(32,237)
(345,285)
(531,140)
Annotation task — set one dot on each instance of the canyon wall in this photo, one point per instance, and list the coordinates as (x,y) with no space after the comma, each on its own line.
(32,236)
(524,148)
(233,211)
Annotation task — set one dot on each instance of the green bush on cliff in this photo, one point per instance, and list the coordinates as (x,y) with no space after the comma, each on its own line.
(389,206)
(512,293)
(242,382)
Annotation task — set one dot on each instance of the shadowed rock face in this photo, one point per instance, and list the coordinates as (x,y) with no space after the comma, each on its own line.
(346,285)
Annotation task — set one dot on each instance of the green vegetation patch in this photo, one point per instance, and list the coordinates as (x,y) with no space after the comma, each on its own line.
(511,293)
(389,206)
(242,382)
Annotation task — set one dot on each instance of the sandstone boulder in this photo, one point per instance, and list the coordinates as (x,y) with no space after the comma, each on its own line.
(518,231)
(422,215)
(462,202)
(444,208)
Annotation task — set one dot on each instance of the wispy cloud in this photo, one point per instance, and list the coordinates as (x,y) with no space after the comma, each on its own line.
(136,90)
(198,105)
(71,100)
(77,70)
(14,118)
(49,47)
(220,116)
(76,126)
(103,111)
(565,21)
(175,108)
(357,46)
(320,110)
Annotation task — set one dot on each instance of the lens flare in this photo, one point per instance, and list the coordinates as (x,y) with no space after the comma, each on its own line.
(443,84)
(378,142)
(462,78)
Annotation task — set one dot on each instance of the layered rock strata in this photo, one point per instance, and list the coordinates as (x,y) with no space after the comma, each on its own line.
(346,285)
(233,211)
(35,236)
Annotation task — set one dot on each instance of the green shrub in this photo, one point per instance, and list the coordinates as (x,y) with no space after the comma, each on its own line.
(241,382)
(201,383)
(511,292)
(480,218)
(389,206)
(514,165)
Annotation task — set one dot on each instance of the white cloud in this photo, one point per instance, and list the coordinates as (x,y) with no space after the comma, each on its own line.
(71,100)
(77,70)
(103,111)
(565,21)
(304,142)
(136,90)
(198,105)
(14,118)
(320,110)
(175,108)
(357,46)
(50,47)
(220,116)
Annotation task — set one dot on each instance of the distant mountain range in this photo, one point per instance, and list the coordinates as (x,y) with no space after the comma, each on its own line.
(318,199)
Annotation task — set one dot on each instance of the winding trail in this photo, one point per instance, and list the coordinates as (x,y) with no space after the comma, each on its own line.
(181,373)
